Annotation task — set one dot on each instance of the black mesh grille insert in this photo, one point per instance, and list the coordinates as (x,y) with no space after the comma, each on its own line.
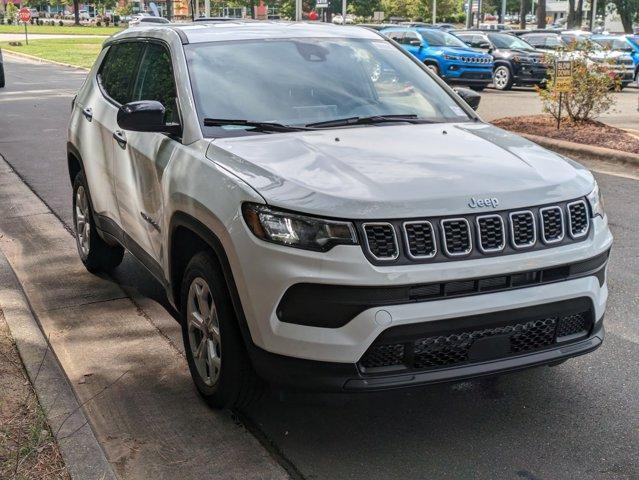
(381,240)
(523,229)
(578,213)
(456,236)
(573,324)
(420,239)
(456,347)
(384,356)
(552,224)
(491,233)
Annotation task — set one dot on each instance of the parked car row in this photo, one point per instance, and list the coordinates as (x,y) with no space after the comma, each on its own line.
(504,59)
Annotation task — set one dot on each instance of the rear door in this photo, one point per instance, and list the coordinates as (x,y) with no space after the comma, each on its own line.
(409,41)
(140,159)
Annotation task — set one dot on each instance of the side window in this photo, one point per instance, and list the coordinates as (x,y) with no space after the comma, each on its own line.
(408,37)
(397,36)
(155,80)
(466,38)
(117,73)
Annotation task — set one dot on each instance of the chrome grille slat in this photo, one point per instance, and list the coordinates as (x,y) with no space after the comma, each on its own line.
(381,240)
(456,237)
(551,224)
(490,233)
(578,219)
(523,231)
(420,239)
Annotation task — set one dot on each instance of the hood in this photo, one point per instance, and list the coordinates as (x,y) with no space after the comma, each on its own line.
(399,171)
(470,52)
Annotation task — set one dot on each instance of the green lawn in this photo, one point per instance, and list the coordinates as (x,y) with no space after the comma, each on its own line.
(74,51)
(66,30)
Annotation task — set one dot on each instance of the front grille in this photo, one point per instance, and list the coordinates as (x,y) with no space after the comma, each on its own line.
(420,239)
(552,224)
(456,236)
(441,239)
(461,347)
(578,219)
(491,233)
(522,229)
(381,240)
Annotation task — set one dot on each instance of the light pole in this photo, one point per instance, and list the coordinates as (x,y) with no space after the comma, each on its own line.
(343,12)
(503,12)
(434,12)
(298,10)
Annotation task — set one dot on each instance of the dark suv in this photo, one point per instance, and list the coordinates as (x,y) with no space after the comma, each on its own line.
(516,61)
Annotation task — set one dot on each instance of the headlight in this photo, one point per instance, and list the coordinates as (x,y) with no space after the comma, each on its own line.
(595,199)
(451,57)
(296,230)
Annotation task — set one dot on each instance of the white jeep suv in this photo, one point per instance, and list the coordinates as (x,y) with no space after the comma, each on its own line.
(325,213)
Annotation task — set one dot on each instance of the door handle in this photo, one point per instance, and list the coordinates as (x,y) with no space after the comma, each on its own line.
(88,113)
(119,137)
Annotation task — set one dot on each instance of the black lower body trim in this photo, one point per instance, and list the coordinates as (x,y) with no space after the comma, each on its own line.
(333,306)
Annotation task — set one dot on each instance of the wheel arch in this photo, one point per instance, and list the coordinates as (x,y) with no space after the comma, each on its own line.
(74,161)
(187,236)
(503,63)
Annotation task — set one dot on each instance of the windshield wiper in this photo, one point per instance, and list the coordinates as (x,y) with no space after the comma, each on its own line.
(258,126)
(343,122)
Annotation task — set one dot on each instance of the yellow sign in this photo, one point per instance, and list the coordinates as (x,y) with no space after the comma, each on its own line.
(563,75)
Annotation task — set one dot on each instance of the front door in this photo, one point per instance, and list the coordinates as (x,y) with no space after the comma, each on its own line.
(141,158)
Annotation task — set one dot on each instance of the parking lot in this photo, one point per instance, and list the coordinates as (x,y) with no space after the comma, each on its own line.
(578,420)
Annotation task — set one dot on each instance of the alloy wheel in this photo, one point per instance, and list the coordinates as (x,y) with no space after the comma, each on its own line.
(82,222)
(204,331)
(501,78)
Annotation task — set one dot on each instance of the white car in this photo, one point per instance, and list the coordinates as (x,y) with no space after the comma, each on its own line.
(332,216)
(146,19)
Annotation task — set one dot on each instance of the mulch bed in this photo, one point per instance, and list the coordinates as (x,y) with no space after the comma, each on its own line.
(589,133)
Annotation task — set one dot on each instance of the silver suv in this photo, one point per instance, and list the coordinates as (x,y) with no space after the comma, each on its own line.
(326,213)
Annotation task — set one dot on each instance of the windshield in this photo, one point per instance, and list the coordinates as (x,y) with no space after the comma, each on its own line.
(439,38)
(614,44)
(502,40)
(544,41)
(310,80)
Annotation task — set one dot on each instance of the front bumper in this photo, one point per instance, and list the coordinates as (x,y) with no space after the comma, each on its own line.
(467,75)
(264,272)
(339,377)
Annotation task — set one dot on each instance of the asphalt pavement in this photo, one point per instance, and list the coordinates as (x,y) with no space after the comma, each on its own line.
(578,420)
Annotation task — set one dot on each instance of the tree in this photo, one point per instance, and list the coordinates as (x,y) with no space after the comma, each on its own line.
(628,11)
(541,14)
(523,9)
(575,14)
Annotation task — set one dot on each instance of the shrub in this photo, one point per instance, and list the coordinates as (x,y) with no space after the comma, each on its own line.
(591,92)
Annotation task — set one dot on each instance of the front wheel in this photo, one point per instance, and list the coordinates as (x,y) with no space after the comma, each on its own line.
(433,68)
(502,79)
(215,351)
(95,253)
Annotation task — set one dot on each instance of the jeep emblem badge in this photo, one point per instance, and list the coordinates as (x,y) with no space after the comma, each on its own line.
(483,202)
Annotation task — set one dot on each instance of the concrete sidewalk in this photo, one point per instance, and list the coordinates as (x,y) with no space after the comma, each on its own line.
(139,397)
(19,37)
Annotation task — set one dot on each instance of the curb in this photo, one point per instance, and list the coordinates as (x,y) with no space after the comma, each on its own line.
(10,53)
(600,153)
(82,454)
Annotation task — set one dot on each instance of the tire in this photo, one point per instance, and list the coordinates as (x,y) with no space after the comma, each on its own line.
(1,71)
(502,78)
(433,68)
(222,372)
(478,88)
(95,253)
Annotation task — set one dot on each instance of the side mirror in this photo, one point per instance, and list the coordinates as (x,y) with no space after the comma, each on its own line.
(469,96)
(414,42)
(145,116)
(484,45)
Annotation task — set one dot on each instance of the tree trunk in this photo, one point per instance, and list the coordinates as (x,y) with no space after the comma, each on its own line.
(76,11)
(579,14)
(570,22)
(522,14)
(541,14)
(625,15)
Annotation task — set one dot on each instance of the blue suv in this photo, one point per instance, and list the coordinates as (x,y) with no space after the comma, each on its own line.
(446,55)
(626,43)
